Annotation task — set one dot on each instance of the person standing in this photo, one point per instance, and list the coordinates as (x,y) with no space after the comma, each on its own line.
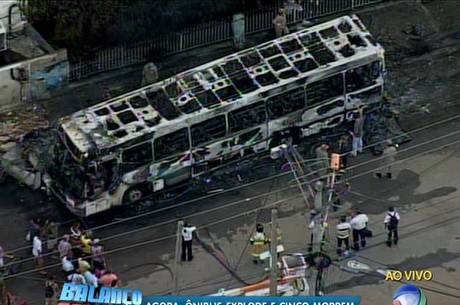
(34,229)
(2,256)
(90,278)
(75,232)
(149,74)
(83,265)
(343,236)
(319,194)
(51,290)
(67,266)
(295,133)
(357,133)
(358,226)
(64,246)
(258,241)
(37,252)
(76,278)
(391,222)
(53,233)
(187,239)
(322,155)
(110,279)
(96,254)
(86,242)
(280,23)
(388,158)
(343,151)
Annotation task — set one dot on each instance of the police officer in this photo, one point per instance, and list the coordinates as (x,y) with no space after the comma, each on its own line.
(391,225)
(343,235)
(358,226)
(259,240)
(187,238)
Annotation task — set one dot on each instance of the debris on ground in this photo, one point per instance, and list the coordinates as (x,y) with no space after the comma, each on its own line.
(24,144)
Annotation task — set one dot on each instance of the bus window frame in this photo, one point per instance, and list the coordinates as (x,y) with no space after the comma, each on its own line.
(375,80)
(203,144)
(317,104)
(267,108)
(234,133)
(170,156)
(122,161)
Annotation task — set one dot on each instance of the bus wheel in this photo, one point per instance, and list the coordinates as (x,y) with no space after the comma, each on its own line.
(132,195)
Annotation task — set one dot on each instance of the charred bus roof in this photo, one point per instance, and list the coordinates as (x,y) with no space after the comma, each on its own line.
(236,77)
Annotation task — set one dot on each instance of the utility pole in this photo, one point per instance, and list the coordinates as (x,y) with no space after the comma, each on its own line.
(180,226)
(274,254)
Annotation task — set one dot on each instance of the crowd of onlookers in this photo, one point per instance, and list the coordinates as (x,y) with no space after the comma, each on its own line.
(81,256)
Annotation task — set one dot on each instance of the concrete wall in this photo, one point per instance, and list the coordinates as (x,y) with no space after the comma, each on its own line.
(33,79)
(17,20)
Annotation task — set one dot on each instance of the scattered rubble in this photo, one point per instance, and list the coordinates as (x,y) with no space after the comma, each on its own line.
(24,144)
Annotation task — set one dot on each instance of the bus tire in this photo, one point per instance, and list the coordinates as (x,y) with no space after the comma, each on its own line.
(132,195)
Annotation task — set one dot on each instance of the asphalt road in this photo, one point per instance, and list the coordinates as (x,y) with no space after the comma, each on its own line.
(424,190)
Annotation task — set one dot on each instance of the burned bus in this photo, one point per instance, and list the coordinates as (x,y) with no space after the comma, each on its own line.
(151,139)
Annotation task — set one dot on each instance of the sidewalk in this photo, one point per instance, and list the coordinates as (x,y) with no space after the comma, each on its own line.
(87,92)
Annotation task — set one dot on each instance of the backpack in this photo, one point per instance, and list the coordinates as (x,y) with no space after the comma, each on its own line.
(49,291)
(393,224)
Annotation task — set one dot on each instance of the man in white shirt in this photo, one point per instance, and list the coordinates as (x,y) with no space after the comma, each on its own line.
(37,251)
(67,266)
(90,278)
(391,222)
(358,226)
(187,238)
(343,235)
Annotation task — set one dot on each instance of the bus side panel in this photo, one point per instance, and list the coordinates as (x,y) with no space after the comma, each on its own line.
(170,171)
(323,111)
(212,155)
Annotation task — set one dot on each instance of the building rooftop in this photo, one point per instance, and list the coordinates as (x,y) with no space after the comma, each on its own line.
(218,83)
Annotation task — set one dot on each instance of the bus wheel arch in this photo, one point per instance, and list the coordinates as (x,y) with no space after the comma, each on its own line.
(132,195)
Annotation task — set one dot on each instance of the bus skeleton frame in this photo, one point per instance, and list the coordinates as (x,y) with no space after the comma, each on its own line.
(165,133)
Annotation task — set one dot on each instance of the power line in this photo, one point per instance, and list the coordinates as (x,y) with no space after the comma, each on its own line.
(139,244)
(225,219)
(242,186)
(279,190)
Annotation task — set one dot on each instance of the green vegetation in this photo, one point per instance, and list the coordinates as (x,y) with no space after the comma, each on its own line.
(83,25)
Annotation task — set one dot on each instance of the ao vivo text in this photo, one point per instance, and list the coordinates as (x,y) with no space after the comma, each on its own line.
(409,275)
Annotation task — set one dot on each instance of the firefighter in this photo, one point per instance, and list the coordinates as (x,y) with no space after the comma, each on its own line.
(259,240)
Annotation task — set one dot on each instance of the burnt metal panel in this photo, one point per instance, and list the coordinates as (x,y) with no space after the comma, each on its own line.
(127,117)
(161,103)
(291,46)
(267,79)
(243,82)
(251,59)
(207,98)
(227,93)
(278,63)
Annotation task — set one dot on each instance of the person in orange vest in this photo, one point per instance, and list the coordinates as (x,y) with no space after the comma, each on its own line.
(259,241)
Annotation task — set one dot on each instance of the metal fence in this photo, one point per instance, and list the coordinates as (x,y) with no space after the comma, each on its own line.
(202,35)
